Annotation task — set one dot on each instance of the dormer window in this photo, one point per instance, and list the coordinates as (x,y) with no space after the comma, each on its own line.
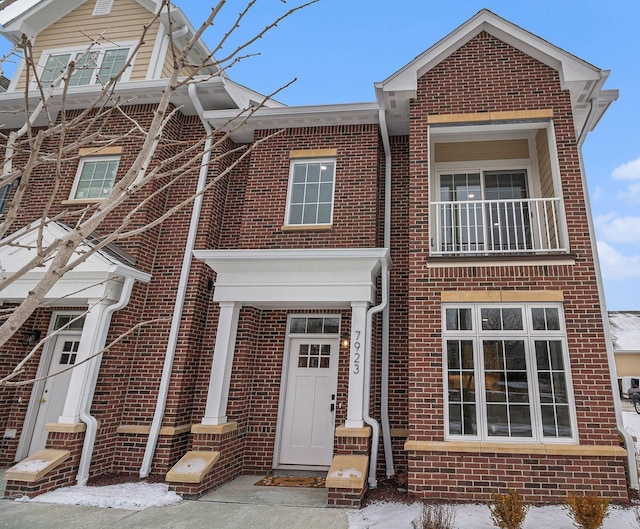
(92,67)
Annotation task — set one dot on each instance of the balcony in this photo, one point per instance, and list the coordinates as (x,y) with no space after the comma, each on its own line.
(529,226)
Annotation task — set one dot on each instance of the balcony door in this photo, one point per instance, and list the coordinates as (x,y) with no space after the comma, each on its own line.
(484,212)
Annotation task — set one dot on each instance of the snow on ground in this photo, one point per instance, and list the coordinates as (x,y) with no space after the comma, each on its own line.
(476,516)
(132,496)
(139,496)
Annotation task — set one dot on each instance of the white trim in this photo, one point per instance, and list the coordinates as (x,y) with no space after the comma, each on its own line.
(307,161)
(101,49)
(81,164)
(528,336)
(159,53)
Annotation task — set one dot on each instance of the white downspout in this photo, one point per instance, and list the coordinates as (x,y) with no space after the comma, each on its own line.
(167,368)
(87,397)
(375,427)
(384,390)
(628,440)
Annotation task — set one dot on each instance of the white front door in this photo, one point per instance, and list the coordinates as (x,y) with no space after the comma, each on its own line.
(309,403)
(51,402)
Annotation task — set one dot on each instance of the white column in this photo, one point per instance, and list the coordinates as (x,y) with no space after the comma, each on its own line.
(216,410)
(355,402)
(89,345)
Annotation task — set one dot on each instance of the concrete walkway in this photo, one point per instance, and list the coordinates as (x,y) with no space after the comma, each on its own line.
(238,504)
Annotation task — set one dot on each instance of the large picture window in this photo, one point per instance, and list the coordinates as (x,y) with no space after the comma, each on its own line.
(507,373)
(311,188)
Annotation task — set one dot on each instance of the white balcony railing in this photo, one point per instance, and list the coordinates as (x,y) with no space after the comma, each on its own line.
(481,227)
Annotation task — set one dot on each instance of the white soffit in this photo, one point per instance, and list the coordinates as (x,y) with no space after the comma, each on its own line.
(242,125)
(301,278)
(91,279)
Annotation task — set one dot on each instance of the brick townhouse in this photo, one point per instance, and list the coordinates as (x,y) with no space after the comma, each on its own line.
(406,285)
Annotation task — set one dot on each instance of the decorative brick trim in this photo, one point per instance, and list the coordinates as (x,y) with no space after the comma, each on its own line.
(474,117)
(497,296)
(314,227)
(214,429)
(515,448)
(312,153)
(99,151)
(65,428)
(343,431)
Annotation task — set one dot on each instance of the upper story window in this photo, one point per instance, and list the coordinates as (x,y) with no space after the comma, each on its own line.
(311,191)
(95,177)
(92,67)
(495,190)
(507,373)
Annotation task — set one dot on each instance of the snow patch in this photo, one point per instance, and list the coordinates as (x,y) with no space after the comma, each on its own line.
(31,465)
(131,496)
(193,465)
(345,473)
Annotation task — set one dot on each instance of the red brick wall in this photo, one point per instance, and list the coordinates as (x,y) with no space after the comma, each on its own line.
(488,75)
(258,197)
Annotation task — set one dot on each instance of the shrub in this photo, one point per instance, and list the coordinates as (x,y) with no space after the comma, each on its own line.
(436,516)
(508,510)
(587,512)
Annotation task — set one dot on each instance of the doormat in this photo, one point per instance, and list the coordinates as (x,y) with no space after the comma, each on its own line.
(291,481)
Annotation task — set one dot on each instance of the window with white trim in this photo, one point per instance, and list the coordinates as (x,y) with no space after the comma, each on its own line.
(92,67)
(507,373)
(311,191)
(95,178)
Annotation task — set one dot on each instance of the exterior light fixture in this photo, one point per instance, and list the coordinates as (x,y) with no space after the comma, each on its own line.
(344,340)
(30,337)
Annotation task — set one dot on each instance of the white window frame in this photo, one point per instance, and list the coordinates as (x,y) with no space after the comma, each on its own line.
(290,190)
(73,51)
(83,161)
(528,336)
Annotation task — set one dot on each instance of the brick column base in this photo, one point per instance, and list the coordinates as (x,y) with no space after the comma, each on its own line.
(227,439)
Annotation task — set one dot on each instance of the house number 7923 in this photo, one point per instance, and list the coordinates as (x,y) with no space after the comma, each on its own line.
(356,354)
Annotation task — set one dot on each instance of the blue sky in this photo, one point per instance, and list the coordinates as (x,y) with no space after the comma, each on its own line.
(337,49)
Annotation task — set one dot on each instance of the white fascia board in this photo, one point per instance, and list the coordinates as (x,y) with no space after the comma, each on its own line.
(291,117)
(245,97)
(571,68)
(295,278)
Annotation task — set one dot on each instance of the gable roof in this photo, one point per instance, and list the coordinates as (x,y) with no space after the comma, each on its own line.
(87,280)
(583,80)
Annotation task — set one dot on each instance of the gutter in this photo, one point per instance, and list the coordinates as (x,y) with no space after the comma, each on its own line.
(167,368)
(375,427)
(384,390)
(87,396)
(629,445)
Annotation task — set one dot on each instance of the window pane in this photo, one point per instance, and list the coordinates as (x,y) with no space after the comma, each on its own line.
(512,319)
(295,216)
(497,420)
(298,325)
(564,421)
(555,353)
(491,319)
(311,196)
(453,356)
(54,66)
(520,421)
(326,192)
(309,215)
(553,319)
(324,213)
(314,325)
(455,419)
(84,69)
(461,387)
(537,316)
(331,325)
(112,63)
